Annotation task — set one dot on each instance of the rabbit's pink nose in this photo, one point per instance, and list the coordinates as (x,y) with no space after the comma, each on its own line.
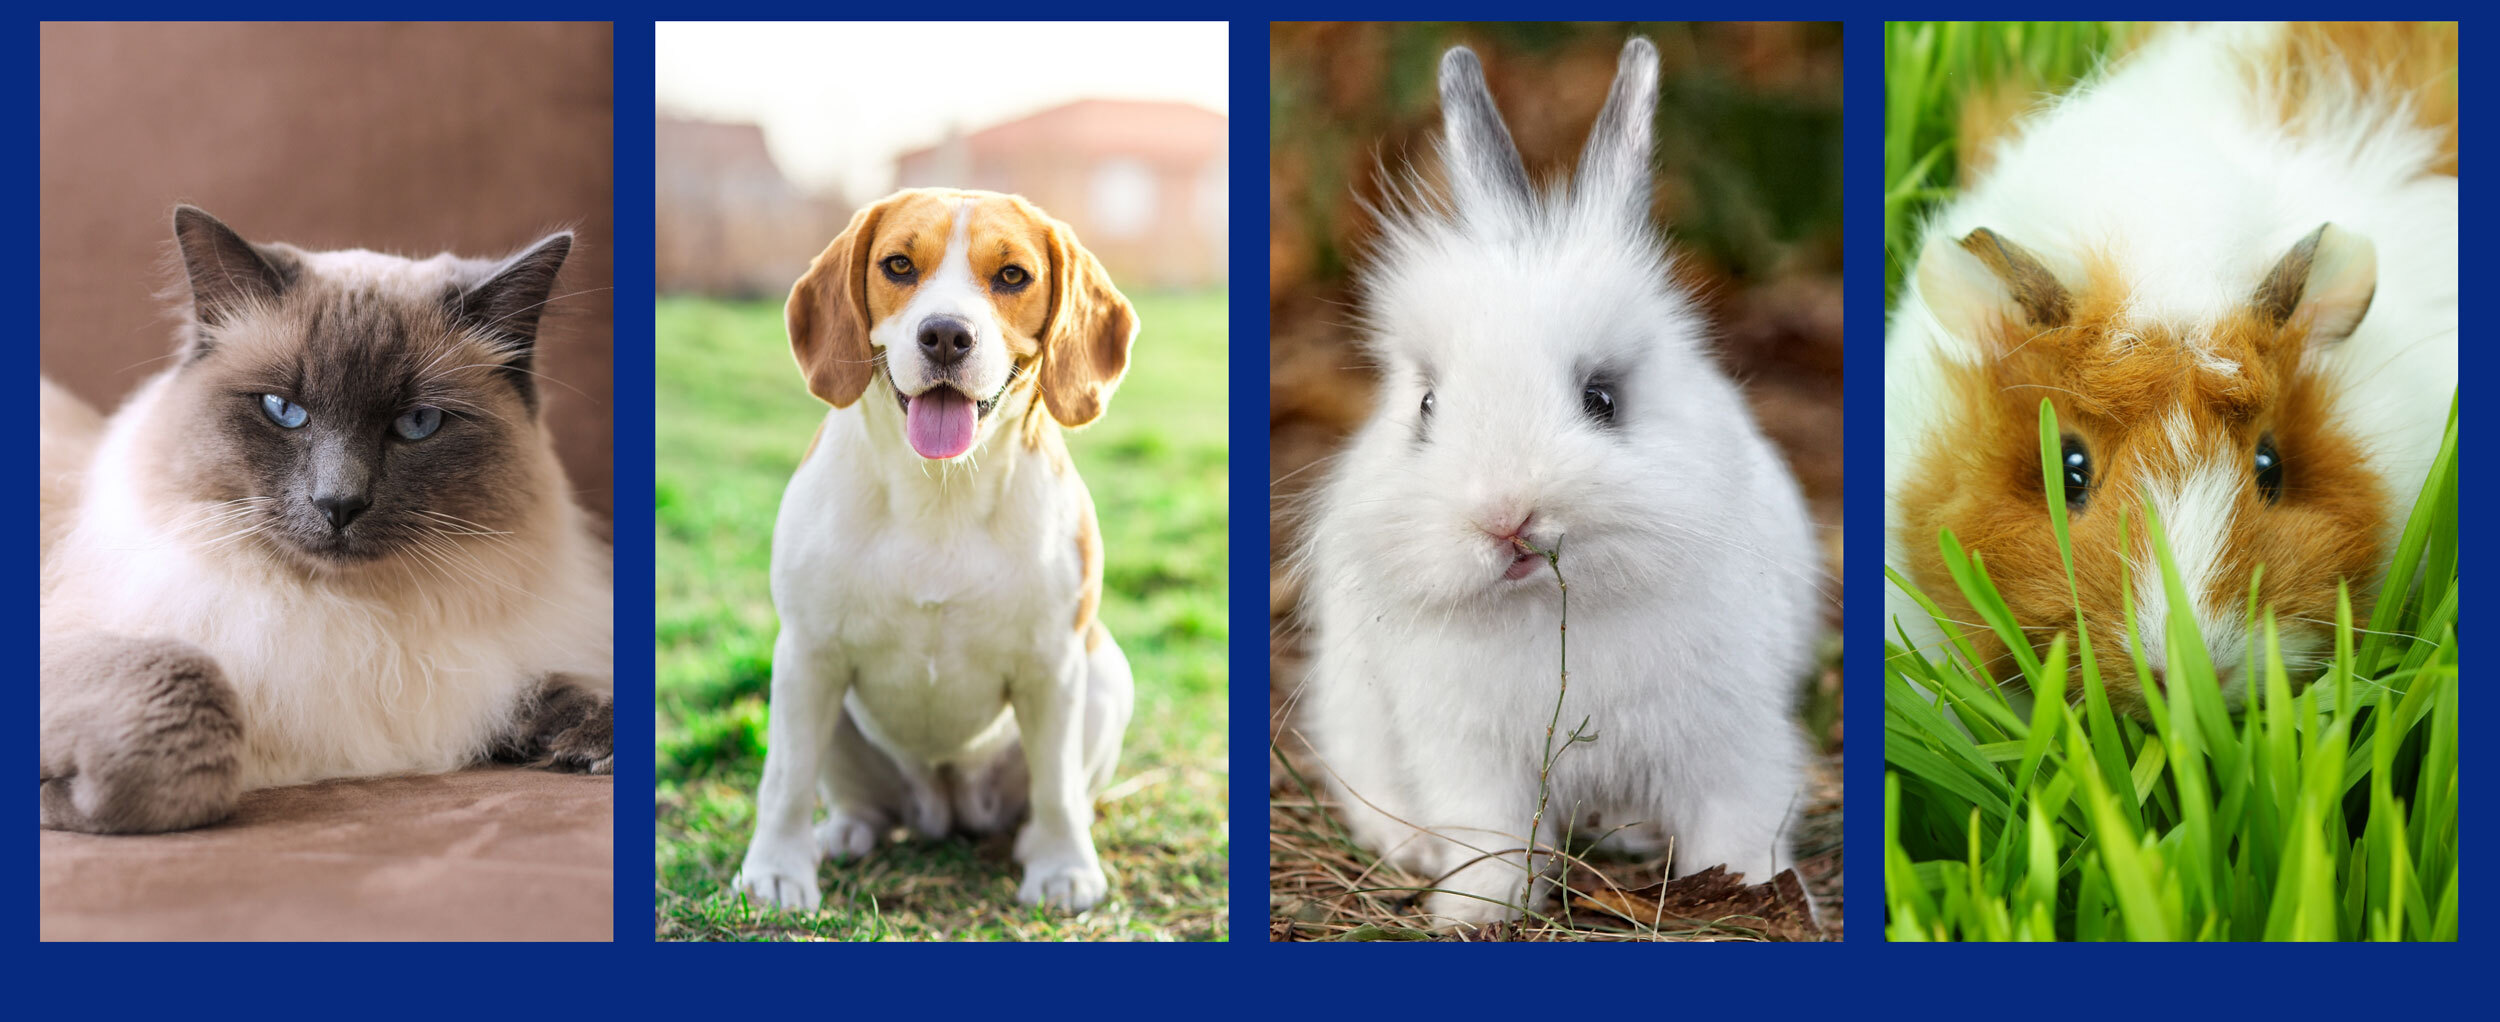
(1506,533)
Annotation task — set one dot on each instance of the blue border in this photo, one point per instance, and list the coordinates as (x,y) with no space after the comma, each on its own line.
(636,872)
(1248,404)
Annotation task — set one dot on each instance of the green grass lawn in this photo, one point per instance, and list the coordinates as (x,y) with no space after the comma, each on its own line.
(2326,815)
(733,418)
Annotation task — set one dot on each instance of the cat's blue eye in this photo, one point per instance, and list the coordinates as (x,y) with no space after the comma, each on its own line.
(419,423)
(282,411)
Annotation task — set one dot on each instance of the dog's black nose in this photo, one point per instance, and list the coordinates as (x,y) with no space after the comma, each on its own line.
(944,340)
(341,510)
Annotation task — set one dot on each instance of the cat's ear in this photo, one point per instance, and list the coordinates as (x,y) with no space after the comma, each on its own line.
(228,275)
(506,307)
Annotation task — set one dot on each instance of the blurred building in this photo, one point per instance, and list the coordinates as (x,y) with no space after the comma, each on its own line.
(1143,183)
(726,222)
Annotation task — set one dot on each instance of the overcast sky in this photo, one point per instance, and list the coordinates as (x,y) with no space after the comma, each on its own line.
(838,100)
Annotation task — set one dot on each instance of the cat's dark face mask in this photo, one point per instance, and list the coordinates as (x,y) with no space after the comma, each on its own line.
(352,418)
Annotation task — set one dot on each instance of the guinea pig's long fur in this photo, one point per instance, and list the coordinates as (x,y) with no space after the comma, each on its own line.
(2230,262)
(1542,378)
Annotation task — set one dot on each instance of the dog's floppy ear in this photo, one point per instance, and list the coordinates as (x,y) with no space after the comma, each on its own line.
(1085,344)
(1482,161)
(1614,168)
(828,314)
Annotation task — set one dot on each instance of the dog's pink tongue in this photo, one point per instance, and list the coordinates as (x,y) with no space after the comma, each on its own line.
(939,423)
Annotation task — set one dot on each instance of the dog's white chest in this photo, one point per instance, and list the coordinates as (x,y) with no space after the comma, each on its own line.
(929,666)
(930,615)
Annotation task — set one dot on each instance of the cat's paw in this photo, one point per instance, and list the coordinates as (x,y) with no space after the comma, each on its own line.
(588,747)
(565,726)
(780,878)
(1065,883)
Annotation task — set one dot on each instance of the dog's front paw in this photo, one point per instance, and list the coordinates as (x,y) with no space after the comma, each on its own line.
(778,878)
(1072,885)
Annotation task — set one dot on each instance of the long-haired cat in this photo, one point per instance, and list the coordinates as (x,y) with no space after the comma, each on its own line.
(332,540)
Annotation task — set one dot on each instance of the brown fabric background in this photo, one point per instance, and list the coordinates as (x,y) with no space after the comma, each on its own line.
(413,139)
(495,854)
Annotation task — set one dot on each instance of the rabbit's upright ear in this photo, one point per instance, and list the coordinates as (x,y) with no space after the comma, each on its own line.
(1614,169)
(1482,161)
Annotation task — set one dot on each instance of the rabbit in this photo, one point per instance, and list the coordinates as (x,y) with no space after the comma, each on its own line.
(1544,387)
(2230,264)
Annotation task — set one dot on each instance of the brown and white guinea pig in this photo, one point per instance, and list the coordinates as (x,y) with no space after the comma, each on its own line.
(2230,264)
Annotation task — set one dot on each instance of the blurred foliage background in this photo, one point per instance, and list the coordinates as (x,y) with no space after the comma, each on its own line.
(1947,79)
(1748,191)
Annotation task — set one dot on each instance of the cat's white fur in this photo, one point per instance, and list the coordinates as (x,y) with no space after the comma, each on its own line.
(407,666)
(2189,180)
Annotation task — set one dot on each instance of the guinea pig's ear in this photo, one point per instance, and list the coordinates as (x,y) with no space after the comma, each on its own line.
(1614,168)
(1979,281)
(828,314)
(1476,149)
(1086,342)
(2331,274)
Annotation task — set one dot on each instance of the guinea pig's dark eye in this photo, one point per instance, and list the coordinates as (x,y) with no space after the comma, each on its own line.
(1597,401)
(2269,470)
(2078,466)
(1013,276)
(897,266)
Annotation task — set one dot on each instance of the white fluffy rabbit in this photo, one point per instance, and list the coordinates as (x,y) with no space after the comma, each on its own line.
(1543,382)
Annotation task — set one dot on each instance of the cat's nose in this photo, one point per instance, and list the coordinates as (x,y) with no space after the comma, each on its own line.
(341,510)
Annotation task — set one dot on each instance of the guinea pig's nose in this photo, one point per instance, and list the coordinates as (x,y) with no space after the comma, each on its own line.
(945,340)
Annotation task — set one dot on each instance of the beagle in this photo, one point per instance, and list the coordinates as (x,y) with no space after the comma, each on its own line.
(936,562)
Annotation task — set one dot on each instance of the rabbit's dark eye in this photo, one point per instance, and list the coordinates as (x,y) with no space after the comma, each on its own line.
(1597,400)
(2269,470)
(1427,409)
(2078,467)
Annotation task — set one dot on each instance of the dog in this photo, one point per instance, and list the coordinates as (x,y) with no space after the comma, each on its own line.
(936,562)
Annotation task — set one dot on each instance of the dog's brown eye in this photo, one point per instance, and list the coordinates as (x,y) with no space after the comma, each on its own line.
(898,266)
(1013,276)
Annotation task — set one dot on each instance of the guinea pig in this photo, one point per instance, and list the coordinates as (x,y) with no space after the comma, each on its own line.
(1546,389)
(2230,266)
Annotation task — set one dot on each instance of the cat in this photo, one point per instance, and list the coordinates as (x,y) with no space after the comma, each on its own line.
(331,540)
